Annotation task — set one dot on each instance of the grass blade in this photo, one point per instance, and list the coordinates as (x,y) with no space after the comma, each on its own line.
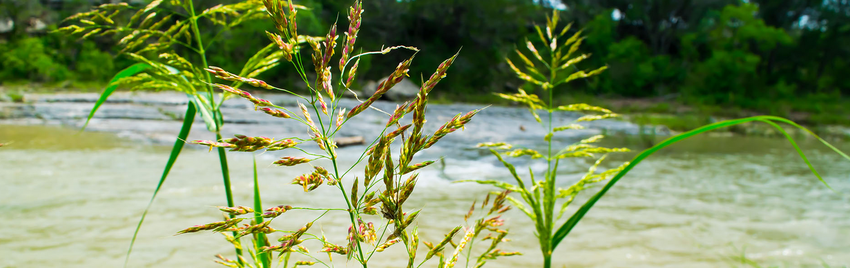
(188,119)
(206,113)
(228,192)
(565,229)
(130,71)
(258,218)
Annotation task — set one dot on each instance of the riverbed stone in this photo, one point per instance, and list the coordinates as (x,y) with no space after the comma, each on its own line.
(155,118)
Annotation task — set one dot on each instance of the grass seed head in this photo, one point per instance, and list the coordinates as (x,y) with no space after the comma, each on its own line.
(332,248)
(215,226)
(244,94)
(397,115)
(394,78)
(223,259)
(281,144)
(291,161)
(438,75)
(232,90)
(322,103)
(367,232)
(438,249)
(354,19)
(320,140)
(248,144)
(212,144)
(458,122)
(397,132)
(387,244)
(273,212)
(407,221)
(225,75)
(309,181)
(327,83)
(417,166)
(330,44)
(370,211)
(304,263)
(354,189)
(240,210)
(340,118)
(287,48)
(407,188)
(308,118)
(275,112)
(376,159)
(256,228)
(275,9)
(497,145)
(466,238)
(352,73)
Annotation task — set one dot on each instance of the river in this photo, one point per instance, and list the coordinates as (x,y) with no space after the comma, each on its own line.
(73,199)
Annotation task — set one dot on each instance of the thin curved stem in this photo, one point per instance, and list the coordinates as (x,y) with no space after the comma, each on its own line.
(222,154)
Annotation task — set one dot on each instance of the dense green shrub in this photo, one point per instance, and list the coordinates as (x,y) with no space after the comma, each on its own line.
(30,59)
(93,64)
(714,53)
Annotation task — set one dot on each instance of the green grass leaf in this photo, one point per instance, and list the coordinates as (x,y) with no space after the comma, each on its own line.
(188,119)
(565,229)
(265,258)
(206,112)
(130,71)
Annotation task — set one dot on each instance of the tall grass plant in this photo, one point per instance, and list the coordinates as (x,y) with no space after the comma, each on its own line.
(163,38)
(374,202)
(540,198)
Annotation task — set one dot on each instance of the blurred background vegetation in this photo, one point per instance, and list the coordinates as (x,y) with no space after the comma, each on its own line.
(780,57)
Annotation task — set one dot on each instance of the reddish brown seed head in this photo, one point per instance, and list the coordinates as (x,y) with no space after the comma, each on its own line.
(291,161)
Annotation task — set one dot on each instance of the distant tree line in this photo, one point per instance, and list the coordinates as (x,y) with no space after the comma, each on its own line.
(717,52)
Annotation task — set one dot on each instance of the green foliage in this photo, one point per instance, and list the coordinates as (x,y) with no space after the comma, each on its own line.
(634,72)
(725,77)
(733,72)
(30,59)
(93,64)
(540,197)
(730,53)
(674,122)
(15,96)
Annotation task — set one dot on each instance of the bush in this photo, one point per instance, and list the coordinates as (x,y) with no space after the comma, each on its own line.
(29,59)
(93,64)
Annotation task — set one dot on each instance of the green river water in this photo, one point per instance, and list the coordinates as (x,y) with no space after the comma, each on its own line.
(73,200)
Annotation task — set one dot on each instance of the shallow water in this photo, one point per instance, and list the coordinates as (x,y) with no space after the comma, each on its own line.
(73,200)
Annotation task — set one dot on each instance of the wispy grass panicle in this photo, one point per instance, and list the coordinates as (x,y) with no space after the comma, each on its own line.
(394,78)
(354,18)
(485,219)
(548,68)
(374,203)
(538,201)
(164,40)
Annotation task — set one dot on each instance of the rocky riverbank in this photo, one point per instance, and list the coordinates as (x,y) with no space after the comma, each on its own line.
(155,118)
